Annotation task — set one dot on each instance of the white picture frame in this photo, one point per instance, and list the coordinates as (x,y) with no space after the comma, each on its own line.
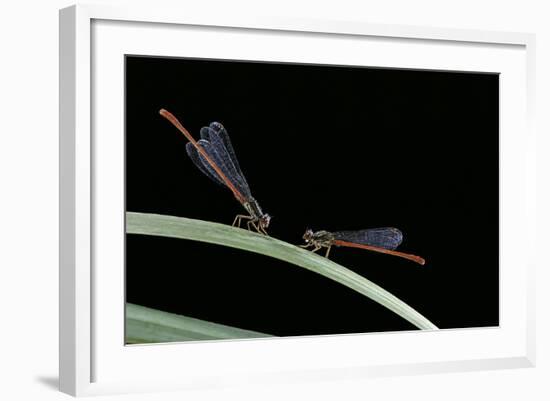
(93,358)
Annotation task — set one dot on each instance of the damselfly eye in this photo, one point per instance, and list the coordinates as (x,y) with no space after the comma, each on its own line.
(265,220)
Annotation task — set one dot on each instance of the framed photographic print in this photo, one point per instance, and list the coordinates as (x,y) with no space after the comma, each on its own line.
(259,198)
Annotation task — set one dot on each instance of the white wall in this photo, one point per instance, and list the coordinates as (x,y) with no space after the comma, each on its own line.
(28,198)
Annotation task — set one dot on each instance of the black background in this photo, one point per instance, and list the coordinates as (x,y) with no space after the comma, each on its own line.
(325,147)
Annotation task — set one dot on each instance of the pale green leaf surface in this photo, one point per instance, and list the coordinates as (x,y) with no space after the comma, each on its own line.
(146,325)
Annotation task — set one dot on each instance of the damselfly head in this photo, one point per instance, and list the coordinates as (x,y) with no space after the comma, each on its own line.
(265,220)
(308,235)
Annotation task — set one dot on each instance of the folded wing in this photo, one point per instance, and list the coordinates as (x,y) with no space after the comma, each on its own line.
(217,145)
(384,237)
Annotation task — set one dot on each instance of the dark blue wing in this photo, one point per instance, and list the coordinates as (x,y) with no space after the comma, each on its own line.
(205,168)
(220,161)
(222,133)
(223,156)
(385,237)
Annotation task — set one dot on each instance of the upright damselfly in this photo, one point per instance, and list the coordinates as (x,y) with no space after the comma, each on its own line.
(382,240)
(214,156)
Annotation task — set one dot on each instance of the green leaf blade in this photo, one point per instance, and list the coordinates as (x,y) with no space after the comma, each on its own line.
(146,325)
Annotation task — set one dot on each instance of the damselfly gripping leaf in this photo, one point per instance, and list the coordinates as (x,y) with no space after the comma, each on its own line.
(382,240)
(213,154)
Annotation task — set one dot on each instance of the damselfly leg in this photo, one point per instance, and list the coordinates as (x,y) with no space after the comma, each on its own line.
(239,218)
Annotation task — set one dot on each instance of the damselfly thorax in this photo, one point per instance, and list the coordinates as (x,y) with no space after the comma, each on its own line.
(319,239)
